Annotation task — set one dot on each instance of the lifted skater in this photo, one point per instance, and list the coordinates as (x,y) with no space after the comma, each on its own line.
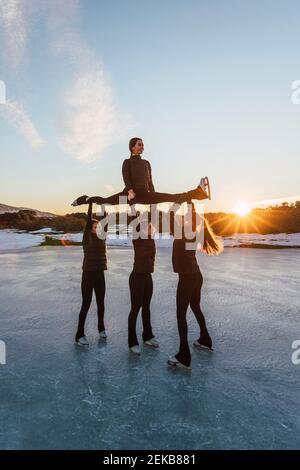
(139,188)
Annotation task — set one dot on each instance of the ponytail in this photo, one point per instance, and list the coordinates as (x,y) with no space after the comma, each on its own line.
(212,245)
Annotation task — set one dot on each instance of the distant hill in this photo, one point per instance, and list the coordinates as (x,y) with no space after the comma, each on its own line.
(275,219)
(4,208)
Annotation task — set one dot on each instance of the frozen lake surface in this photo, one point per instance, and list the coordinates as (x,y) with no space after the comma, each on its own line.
(55,395)
(15,240)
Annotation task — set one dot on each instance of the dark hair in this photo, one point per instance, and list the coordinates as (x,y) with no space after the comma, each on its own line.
(132,142)
(212,245)
(96,221)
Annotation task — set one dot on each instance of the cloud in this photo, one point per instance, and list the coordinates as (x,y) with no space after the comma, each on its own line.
(109,188)
(14,17)
(14,113)
(14,23)
(91,120)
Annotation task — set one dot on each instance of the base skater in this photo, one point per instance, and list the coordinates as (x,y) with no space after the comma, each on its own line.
(141,289)
(189,286)
(94,265)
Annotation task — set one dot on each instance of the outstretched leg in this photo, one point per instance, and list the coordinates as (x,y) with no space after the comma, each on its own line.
(113,200)
(144,197)
(156,198)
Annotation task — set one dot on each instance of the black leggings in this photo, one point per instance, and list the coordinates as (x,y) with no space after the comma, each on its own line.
(141,289)
(188,293)
(144,197)
(91,280)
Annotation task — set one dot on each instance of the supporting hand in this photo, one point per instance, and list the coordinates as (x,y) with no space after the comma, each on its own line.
(131,194)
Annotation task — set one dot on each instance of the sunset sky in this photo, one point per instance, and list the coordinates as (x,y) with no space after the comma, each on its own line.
(206,84)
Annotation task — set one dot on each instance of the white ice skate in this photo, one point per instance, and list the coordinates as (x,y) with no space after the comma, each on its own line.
(198,345)
(83,341)
(152,342)
(173,362)
(135,350)
(205,186)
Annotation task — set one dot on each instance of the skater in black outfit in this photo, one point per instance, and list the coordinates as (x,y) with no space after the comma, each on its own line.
(189,286)
(139,188)
(94,265)
(141,289)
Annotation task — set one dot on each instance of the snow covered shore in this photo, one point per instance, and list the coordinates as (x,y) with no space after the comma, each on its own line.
(16,240)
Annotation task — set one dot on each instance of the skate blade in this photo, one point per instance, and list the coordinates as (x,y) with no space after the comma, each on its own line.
(178,365)
(202,346)
(134,353)
(82,345)
(153,346)
(208,187)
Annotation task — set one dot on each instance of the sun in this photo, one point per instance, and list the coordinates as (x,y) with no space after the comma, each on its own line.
(242,209)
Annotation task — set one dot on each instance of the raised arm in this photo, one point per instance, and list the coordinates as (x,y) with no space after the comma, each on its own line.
(89,223)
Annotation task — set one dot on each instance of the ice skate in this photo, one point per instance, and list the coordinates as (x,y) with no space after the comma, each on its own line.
(203,343)
(80,201)
(135,350)
(173,362)
(83,341)
(152,342)
(205,186)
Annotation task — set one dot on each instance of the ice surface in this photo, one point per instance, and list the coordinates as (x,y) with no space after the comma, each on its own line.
(17,240)
(245,395)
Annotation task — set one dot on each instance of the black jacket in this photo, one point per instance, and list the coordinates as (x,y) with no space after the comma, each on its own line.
(93,247)
(184,261)
(137,174)
(144,255)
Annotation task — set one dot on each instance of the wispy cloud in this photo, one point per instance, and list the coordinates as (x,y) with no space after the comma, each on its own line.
(14,24)
(14,17)
(14,113)
(92,119)
(109,188)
